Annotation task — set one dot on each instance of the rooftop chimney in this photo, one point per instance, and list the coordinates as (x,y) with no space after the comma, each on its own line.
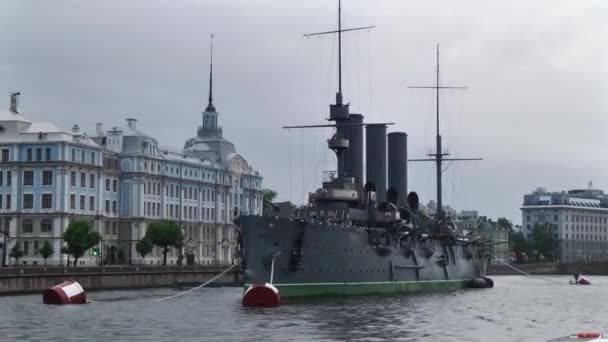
(76,129)
(15,102)
(132,123)
(99,128)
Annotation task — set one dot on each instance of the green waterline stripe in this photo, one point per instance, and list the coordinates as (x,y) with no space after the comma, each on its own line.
(373,283)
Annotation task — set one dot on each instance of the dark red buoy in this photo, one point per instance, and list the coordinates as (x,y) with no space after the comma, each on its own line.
(262,295)
(68,292)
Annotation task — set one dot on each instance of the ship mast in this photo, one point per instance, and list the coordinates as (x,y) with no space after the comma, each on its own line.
(339,112)
(438,156)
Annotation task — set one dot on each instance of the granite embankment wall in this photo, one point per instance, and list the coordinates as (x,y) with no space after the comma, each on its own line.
(17,280)
(595,267)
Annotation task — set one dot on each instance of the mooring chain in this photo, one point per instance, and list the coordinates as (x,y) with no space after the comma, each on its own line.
(197,287)
(526,273)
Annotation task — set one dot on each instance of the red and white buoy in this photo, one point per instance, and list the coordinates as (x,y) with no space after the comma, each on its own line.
(68,292)
(262,295)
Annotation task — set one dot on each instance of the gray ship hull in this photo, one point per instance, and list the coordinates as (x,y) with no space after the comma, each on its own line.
(317,258)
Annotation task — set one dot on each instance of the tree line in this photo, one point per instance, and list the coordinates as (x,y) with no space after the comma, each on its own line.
(540,246)
(79,237)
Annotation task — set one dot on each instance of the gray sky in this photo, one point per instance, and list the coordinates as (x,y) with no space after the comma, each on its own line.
(536,72)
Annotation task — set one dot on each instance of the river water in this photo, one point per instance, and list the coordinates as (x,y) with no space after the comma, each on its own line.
(518,308)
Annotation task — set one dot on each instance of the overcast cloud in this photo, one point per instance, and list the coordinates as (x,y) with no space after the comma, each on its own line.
(536,72)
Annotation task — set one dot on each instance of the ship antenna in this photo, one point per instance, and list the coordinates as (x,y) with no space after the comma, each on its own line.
(210,107)
(438,156)
(339,94)
(339,97)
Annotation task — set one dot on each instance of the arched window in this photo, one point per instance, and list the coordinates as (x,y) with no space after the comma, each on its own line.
(46,226)
(27,226)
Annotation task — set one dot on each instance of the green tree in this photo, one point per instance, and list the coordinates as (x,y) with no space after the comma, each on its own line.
(165,234)
(519,245)
(64,250)
(46,251)
(16,252)
(144,247)
(544,241)
(503,223)
(79,238)
(268,196)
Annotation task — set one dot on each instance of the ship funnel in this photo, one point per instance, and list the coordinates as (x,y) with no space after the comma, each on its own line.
(376,159)
(397,165)
(353,161)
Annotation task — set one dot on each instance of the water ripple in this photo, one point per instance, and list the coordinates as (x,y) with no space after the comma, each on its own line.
(517,309)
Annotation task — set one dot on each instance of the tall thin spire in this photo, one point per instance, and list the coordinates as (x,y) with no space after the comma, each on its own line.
(210,107)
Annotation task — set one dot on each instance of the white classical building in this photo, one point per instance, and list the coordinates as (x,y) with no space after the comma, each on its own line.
(121,180)
(579,219)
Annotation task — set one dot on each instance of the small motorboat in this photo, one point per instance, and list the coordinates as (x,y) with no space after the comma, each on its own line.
(580,280)
(583,336)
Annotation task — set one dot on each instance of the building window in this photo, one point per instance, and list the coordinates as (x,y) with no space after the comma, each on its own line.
(73,178)
(107,185)
(73,154)
(93,158)
(9,178)
(5,154)
(28,177)
(1,178)
(8,201)
(107,228)
(72,201)
(114,228)
(1,197)
(114,207)
(27,226)
(92,181)
(28,156)
(47,201)
(28,201)
(115,185)
(47,154)
(107,206)
(26,247)
(83,180)
(82,200)
(39,154)
(47,177)
(82,157)
(91,203)
(46,226)
(35,247)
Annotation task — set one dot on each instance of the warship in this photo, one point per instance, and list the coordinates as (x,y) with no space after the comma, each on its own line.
(355,238)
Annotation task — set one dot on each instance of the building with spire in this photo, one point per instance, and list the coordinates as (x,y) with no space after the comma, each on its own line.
(121,180)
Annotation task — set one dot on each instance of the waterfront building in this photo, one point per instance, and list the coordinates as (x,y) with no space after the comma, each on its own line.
(121,180)
(467,220)
(579,219)
(498,238)
(431,209)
